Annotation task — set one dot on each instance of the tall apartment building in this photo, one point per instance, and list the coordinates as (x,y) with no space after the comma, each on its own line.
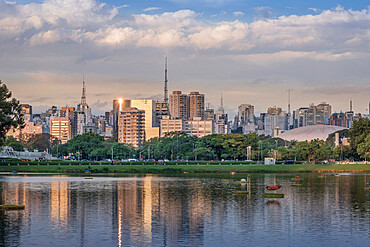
(26,110)
(338,119)
(179,105)
(245,114)
(313,115)
(196,105)
(151,120)
(60,128)
(275,120)
(131,126)
(70,112)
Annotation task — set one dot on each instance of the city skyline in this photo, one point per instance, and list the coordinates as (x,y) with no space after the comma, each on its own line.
(252,53)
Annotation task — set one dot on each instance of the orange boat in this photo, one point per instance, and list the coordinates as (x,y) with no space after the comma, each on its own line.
(274,187)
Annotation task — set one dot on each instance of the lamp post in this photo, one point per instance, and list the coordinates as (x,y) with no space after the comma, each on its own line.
(112,154)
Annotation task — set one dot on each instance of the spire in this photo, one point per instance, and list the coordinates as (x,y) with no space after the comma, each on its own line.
(222,103)
(165,82)
(350,105)
(83,97)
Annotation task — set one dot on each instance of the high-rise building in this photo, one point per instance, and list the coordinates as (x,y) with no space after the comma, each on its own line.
(131,126)
(83,115)
(151,120)
(275,121)
(179,105)
(196,105)
(245,114)
(338,119)
(60,128)
(70,113)
(313,115)
(26,111)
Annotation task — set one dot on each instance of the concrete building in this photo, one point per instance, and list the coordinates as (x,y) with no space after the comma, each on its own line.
(338,119)
(196,105)
(245,114)
(171,125)
(60,128)
(179,105)
(30,129)
(198,127)
(151,120)
(131,126)
(275,119)
(70,112)
(26,110)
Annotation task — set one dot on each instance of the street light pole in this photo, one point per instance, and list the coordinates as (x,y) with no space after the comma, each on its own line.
(112,154)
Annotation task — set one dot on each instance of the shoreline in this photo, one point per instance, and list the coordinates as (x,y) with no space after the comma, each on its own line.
(182,168)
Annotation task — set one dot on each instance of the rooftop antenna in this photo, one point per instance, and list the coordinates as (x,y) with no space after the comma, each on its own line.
(165,82)
(83,98)
(350,105)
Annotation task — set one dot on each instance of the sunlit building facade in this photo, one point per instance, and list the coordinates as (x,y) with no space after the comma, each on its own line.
(60,128)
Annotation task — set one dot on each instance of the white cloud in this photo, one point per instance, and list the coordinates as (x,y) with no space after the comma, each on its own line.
(238,13)
(151,9)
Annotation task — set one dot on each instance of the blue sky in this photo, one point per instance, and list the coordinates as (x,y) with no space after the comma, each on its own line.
(251,51)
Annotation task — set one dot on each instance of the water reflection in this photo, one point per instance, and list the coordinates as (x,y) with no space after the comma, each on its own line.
(158,211)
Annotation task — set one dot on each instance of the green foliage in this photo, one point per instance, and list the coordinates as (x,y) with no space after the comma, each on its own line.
(12,142)
(10,112)
(363,148)
(359,131)
(42,142)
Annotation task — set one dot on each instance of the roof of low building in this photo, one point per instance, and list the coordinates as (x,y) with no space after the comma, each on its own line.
(309,133)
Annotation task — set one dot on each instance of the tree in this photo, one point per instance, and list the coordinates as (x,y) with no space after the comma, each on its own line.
(363,149)
(12,142)
(10,112)
(43,142)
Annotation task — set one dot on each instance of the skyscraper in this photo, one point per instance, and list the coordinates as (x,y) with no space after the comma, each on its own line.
(196,101)
(60,128)
(131,126)
(83,111)
(179,105)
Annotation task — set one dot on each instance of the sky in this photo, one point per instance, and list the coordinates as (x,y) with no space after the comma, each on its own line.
(251,52)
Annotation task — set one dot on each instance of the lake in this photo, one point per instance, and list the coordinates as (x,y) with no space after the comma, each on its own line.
(151,210)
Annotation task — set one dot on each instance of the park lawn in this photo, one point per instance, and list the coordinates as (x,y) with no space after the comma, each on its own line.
(140,167)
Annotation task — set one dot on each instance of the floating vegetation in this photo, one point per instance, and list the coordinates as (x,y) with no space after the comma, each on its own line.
(240,192)
(272,195)
(11,207)
(297,185)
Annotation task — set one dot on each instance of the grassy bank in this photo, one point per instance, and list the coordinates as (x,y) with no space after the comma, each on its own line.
(139,167)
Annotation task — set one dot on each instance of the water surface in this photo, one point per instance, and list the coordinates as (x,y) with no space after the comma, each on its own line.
(171,211)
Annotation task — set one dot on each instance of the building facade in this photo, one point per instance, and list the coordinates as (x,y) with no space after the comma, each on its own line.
(131,126)
(60,128)
(196,105)
(179,105)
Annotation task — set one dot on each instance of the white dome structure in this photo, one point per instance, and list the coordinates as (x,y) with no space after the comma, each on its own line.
(309,133)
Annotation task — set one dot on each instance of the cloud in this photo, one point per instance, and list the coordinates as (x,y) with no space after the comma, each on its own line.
(314,10)
(264,12)
(151,9)
(238,13)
